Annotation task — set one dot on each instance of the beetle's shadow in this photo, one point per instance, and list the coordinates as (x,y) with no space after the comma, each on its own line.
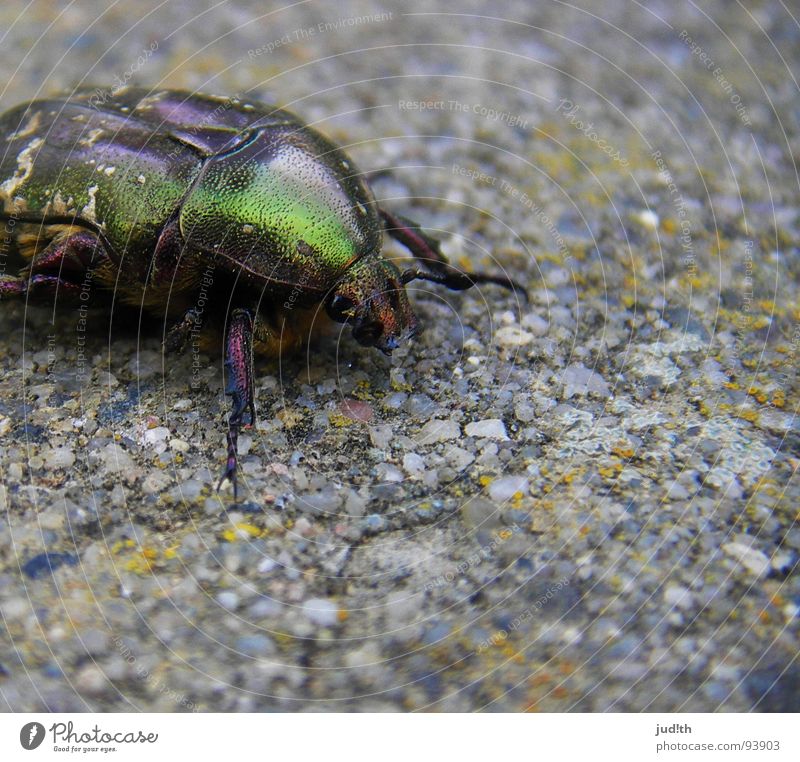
(79,337)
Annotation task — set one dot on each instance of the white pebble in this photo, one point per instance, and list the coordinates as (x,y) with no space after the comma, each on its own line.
(506,317)
(536,324)
(489,428)
(413,463)
(648,219)
(91,680)
(266,565)
(321,611)
(781,560)
(116,460)
(503,489)
(459,458)
(579,379)
(512,336)
(438,431)
(389,473)
(155,436)
(381,435)
(156,482)
(228,599)
(369,654)
(752,559)
(60,457)
(678,596)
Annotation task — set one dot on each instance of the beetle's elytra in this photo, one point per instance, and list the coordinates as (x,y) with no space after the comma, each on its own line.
(149,192)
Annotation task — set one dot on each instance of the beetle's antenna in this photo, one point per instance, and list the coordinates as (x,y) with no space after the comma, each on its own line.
(463,281)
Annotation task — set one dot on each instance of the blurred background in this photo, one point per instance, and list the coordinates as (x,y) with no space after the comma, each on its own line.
(587,502)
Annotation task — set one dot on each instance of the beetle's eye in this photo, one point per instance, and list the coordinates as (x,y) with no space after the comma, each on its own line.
(340,308)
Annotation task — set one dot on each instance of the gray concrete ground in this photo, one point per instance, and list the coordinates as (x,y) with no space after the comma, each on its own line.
(587,502)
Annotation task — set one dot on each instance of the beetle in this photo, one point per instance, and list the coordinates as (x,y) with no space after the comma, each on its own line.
(154,197)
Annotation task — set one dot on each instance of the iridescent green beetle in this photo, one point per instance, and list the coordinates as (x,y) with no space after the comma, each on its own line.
(157,197)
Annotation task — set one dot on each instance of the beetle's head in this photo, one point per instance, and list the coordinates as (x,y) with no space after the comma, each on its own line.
(371,297)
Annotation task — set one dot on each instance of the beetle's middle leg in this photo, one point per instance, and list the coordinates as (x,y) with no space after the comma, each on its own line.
(239,386)
(428,250)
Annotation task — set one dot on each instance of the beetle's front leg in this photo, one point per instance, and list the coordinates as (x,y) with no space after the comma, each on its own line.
(38,287)
(73,252)
(239,385)
(56,269)
(427,250)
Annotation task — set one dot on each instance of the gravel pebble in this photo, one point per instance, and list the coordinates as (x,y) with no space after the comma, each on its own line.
(752,559)
(438,431)
(116,460)
(480,514)
(321,612)
(503,489)
(228,599)
(413,464)
(579,379)
(256,645)
(381,436)
(679,596)
(91,680)
(490,428)
(513,336)
(59,458)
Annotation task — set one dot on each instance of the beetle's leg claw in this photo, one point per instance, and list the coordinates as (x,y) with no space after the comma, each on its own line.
(178,336)
(11,287)
(229,474)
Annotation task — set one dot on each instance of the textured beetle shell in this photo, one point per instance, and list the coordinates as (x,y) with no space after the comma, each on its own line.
(250,184)
(68,162)
(284,205)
